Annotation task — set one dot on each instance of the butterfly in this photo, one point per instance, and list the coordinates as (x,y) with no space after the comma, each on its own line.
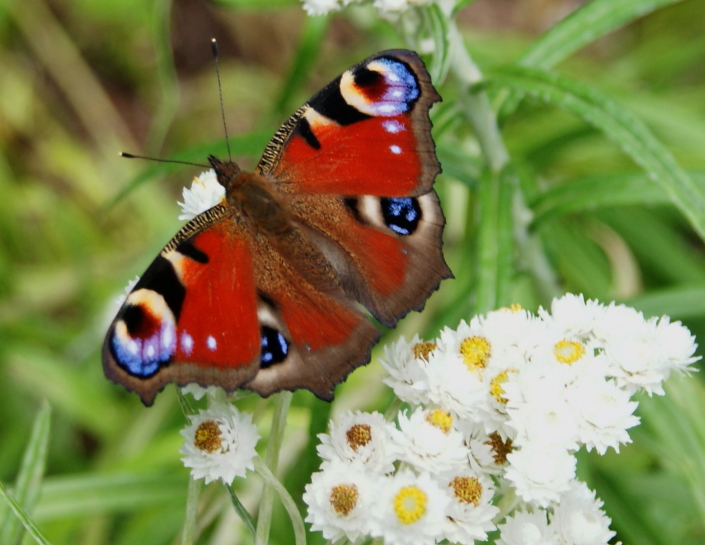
(264,291)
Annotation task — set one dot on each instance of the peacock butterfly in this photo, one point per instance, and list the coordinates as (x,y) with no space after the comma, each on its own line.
(261,290)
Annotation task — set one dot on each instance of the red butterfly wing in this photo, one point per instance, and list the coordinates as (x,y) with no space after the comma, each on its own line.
(192,317)
(358,163)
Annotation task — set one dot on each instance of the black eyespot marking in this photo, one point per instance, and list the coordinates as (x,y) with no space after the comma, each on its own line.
(351,204)
(303,129)
(274,347)
(401,214)
(161,277)
(267,300)
(330,103)
(134,319)
(373,82)
(188,249)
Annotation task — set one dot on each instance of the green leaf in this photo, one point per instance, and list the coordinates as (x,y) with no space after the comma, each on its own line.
(24,518)
(95,493)
(679,303)
(580,28)
(676,423)
(583,26)
(618,124)
(494,240)
(29,479)
(601,191)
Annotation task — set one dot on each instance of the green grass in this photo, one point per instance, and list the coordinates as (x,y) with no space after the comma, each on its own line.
(601,128)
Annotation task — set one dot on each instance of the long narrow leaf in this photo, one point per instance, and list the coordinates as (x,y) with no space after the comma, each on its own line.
(580,28)
(618,124)
(29,479)
(601,191)
(24,518)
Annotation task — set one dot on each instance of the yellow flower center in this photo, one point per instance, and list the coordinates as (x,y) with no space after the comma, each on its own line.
(441,419)
(568,351)
(422,350)
(343,498)
(410,504)
(358,436)
(475,351)
(500,448)
(467,490)
(515,307)
(207,437)
(496,390)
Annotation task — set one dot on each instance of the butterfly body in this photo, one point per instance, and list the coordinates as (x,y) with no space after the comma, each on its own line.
(263,291)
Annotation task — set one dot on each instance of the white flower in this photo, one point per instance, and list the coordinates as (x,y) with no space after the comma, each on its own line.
(488,453)
(470,513)
(321,7)
(616,322)
(677,343)
(205,193)
(644,356)
(527,529)
(406,364)
(120,299)
(540,474)
(578,519)
(198,391)
(340,501)
(220,443)
(573,315)
(361,437)
(410,510)
(428,441)
(547,421)
(603,412)
(452,386)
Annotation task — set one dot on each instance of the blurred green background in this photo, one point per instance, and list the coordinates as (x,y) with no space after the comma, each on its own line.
(81,81)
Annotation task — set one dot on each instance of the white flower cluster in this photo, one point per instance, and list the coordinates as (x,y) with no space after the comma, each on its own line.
(504,401)
(437,494)
(219,443)
(385,7)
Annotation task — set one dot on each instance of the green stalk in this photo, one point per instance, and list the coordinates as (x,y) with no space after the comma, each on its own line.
(287,501)
(241,511)
(474,102)
(194,492)
(264,520)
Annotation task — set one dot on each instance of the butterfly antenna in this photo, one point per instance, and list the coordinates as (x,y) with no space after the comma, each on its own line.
(131,156)
(214,46)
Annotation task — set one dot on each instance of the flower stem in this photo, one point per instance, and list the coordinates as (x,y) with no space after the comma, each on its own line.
(241,511)
(264,520)
(192,497)
(286,499)
(475,102)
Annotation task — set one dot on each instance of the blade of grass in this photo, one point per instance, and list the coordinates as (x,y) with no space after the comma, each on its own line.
(619,125)
(580,28)
(29,479)
(24,518)
(601,191)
